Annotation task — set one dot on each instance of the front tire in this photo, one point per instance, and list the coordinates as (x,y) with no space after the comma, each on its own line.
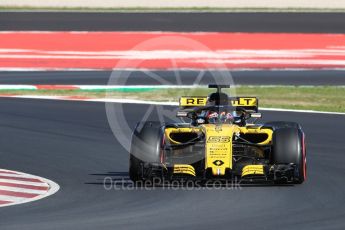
(289,147)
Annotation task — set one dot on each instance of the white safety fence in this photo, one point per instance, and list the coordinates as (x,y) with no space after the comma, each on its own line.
(305,4)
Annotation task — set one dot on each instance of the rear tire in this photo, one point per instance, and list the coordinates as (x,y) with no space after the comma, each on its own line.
(289,147)
(145,149)
(135,169)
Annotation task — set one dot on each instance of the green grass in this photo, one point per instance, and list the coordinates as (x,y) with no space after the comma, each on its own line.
(319,98)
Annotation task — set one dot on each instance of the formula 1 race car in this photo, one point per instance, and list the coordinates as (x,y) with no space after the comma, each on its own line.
(222,141)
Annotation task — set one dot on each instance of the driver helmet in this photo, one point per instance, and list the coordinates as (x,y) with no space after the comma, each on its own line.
(226,117)
(212,117)
(223,117)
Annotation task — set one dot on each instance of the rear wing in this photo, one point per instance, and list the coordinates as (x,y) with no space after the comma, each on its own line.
(250,104)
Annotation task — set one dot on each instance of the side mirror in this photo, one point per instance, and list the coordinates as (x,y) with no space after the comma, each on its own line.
(255,115)
(182,114)
(186,113)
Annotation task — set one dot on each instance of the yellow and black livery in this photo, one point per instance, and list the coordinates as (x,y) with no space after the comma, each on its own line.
(233,147)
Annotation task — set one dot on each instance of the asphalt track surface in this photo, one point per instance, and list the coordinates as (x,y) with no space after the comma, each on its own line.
(305,77)
(219,22)
(71,143)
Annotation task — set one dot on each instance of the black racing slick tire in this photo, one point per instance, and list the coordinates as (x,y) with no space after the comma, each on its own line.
(145,149)
(289,147)
(135,168)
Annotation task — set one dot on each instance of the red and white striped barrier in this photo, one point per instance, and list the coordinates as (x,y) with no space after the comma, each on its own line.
(17,187)
(96,87)
(128,50)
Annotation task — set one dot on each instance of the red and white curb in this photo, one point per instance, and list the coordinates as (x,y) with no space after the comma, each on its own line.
(18,187)
(49,50)
(95,87)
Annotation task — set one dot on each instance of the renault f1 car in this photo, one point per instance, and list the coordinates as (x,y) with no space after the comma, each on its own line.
(222,141)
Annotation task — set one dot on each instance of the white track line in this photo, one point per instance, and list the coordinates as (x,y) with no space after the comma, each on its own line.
(24,190)
(301,111)
(18,87)
(13,199)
